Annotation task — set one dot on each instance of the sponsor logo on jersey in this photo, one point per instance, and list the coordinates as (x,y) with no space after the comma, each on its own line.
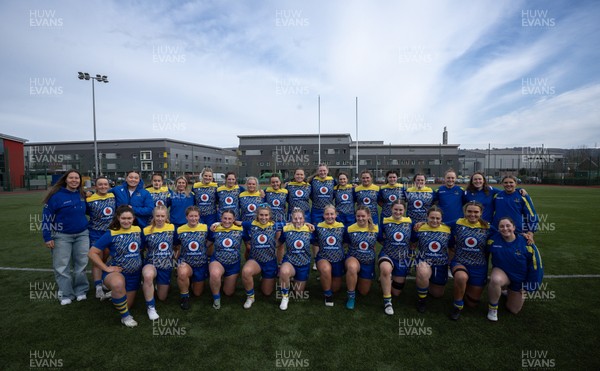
(251,208)
(298,244)
(276,202)
(107,211)
(345,197)
(331,240)
(193,246)
(470,242)
(228,200)
(418,204)
(204,197)
(398,236)
(299,193)
(434,246)
(160,203)
(163,246)
(228,242)
(133,247)
(261,238)
(363,245)
(392,198)
(366,200)
(323,190)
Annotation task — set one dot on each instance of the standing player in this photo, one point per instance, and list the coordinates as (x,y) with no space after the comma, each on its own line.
(261,235)
(344,200)
(160,193)
(122,274)
(516,264)
(205,193)
(158,263)
(389,193)
(366,195)
(449,198)
(518,207)
(432,266)
(65,232)
(360,261)
(322,193)
(469,265)
(225,260)
(228,195)
(299,195)
(395,255)
(276,198)
(181,199)
(329,239)
(249,200)
(192,264)
(132,193)
(100,207)
(419,199)
(296,262)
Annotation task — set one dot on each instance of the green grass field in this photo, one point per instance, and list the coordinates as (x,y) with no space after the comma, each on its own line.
(558,328)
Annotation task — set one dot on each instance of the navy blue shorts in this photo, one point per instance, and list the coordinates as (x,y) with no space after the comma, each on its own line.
(268,270)
(302,271)
(199,274)
(230,269)
(477,273)
(337,269)
(132,280)
(439,274)
(399,268)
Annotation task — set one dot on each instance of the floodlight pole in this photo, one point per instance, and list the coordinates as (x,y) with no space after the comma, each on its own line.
(99,78)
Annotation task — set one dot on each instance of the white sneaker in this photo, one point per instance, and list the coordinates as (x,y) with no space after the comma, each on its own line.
(248,303)
(65,301)
(314,267)
(492,315)
(217,304)
(128,321)
(99,292)
(106,296)
(81,297)
(450,275)
(284,303)
(152,313)
(389,310)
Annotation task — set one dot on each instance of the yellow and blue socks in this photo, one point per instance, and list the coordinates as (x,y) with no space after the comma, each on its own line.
(120,305)
(250,293)
(150,303)
(387,300)
(459,304)
(422,292)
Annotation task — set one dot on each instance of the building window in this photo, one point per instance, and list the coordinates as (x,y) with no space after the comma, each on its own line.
(145,155)
(111,166)
(147,166)
(110,156)
(253,152)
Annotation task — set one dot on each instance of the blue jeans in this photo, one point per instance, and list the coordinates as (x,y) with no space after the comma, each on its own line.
(71,249)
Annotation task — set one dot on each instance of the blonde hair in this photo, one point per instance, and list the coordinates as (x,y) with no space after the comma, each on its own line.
(153,222)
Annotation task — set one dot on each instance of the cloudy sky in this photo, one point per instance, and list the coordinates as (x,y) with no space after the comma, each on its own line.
(509,73)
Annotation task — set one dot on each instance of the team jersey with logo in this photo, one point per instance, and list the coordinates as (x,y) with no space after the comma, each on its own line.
(519,208)
(206,197)
(433,244)
(227,242)
(158,243)
(330,238)
(344,199)
(367,196)
(362,243)
(298,196)
(395,237)
(229,198)
(262,240)
(297,244)
(418,201)
(388,194)
(277,200)
(249,202)
(322,192)
(519,260)
(125,246)
(193,244)
(470,241)
(160,196)
(101,210)
(450,200)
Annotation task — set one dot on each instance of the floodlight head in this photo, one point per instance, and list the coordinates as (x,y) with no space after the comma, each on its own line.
(104,78)
(80,75)
(86,76)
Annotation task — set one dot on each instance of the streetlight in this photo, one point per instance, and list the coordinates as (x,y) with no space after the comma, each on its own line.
(99,78)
